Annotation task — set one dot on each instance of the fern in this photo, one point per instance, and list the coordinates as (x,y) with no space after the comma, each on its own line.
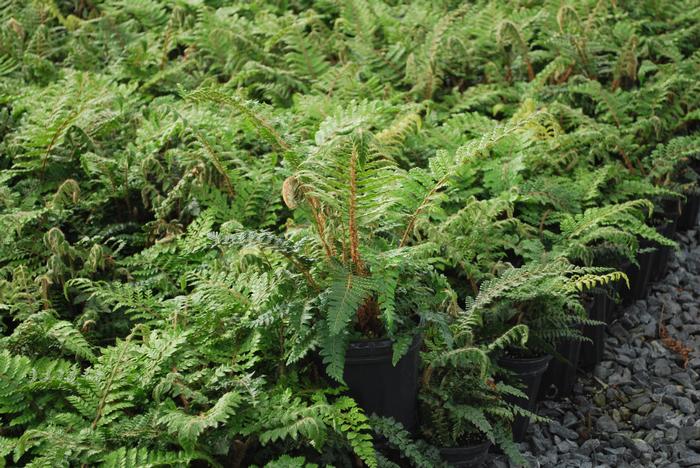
(138,457)
(188,428)
(203,201)
(418,452)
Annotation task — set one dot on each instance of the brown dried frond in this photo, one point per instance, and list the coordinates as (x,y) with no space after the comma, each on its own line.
(674,345)
(290,186)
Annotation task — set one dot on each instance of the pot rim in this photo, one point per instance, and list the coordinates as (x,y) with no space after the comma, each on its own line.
(379,343)
(377,350)
(456,450)
(535,360)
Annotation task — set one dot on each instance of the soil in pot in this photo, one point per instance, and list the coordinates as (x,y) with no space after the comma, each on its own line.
(463,457)
(378,386)
(529,371)
(597,308)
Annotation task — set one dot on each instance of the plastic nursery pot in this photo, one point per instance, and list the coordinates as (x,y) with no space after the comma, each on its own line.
(617,294)
(592,351)
(639,275)
(463,457)
(529,371)
(689,213)
(378,386)
(663,253)
(559,378)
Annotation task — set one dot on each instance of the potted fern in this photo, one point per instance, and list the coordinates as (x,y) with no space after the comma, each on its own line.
(370,285)
(364,216)
(374,290)
(545,298)
(355,235)
(462,408)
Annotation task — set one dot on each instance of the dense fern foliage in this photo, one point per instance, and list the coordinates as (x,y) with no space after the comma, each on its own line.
(203,202)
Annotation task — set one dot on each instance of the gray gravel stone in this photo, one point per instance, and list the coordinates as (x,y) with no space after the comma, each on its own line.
(621,376)
(652,421)
(640,407)
(640,447)
(638,402)
(671,435)
(684,379)
(691,460)
(689,433)
(570,419)
(589,446)
(606,424)
(639,365)
(563,432)
(603,370)
(684,404)
(566,446)
(619,331)
(662,368)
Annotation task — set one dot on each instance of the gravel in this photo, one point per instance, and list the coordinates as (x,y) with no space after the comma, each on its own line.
(639,407)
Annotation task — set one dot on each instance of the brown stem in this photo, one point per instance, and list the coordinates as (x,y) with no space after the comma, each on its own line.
(344,244)
(320,224)
(521,314)
(530,70)
(304,271)
(626,159)
(427,373)
(565,76)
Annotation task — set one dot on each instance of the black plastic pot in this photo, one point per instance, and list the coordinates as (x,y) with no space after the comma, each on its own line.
(689,212)
(663,253)
(592,351)
(639,275)
(619,292)
(559,378)
(615,292)
(380,388)
(463,457)
(530,373)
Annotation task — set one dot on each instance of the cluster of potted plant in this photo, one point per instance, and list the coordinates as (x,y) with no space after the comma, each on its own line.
(367,242)
(327,231)
(395,266)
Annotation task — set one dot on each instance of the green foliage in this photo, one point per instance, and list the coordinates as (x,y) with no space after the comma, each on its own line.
(543,296)
(203,202)
(417,452)
(461,404)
